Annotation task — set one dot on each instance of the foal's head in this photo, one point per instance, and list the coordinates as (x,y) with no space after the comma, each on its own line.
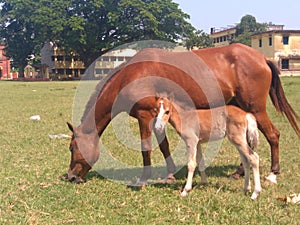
(164,109)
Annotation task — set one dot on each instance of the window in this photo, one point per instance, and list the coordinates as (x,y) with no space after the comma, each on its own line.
(270,41)
(60,58)
(260,43)
(285,40)
(284,64)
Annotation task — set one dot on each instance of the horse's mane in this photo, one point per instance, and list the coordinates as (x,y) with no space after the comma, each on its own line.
(99,88)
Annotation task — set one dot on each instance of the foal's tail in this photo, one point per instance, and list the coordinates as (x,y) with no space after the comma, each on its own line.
(252,131)
(279,100)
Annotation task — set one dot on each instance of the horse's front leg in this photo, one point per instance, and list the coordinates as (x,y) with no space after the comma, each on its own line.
(164,148)
(145,120)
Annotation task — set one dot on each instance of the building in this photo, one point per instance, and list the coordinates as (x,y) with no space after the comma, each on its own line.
(281,46)
(4,65)
(224,36)
(55,64)
(111,60)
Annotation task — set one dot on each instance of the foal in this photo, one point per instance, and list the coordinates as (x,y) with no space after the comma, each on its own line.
(200,126)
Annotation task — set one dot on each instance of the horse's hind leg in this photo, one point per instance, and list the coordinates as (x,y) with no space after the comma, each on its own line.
(201,165)
(272,135)
(164,148)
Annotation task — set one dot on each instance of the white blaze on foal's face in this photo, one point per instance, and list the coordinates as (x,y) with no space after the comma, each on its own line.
(162,116)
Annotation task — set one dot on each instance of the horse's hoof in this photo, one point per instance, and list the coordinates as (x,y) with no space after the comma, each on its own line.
(167,180)
(139,184)
(238,173)
(272,178)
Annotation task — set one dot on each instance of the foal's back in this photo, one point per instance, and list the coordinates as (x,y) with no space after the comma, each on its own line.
(216,123)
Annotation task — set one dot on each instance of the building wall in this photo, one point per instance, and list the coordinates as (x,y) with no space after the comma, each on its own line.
(4,65)
(57,65)
(222,37)
(283,47)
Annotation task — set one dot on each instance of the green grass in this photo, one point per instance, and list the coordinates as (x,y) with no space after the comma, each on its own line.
(31,163)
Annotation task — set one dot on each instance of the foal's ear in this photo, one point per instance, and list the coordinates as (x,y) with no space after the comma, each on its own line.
(71,128)
(157,96)
(171,97)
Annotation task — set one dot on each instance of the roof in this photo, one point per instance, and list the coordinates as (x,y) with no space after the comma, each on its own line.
(278,32)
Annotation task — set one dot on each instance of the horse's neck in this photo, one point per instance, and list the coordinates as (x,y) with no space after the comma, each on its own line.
(100,114)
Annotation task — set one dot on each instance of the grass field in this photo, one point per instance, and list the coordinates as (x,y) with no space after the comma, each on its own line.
(31,163)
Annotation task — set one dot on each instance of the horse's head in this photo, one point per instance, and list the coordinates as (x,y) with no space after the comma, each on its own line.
(84,148)
(163,110)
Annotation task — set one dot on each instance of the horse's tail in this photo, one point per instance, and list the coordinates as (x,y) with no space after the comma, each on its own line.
(252,131)
(279,100)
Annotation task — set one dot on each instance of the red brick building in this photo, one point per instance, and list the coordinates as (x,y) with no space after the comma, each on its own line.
(4,65)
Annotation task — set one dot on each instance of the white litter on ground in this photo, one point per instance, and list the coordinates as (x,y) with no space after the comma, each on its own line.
(293,199)
(35,117)
(53,136)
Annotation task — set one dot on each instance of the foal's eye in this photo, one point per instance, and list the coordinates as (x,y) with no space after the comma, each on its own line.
(167,112)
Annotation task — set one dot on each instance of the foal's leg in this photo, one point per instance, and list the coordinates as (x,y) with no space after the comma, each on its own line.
(201,165)
(254,161)
(249,157)
(192,151)
(247,183)
(272,135)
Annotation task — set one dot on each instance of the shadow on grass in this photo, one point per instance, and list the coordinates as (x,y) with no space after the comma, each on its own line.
(133,173)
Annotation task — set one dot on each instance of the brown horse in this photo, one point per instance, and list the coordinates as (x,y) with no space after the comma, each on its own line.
(202,78)
(201,126)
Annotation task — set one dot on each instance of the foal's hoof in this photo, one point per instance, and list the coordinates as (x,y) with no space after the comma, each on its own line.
(254,196)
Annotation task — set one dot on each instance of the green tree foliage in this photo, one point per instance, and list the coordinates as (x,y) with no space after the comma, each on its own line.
(26,25)
(90,28)
(198,39)
(246,28)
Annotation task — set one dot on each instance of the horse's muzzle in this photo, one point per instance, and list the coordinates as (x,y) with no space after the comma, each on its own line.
(72,178)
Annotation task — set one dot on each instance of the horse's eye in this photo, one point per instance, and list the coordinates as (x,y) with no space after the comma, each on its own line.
(167,112)
(71,148)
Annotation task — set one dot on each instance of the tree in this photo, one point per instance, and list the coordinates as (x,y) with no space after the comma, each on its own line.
(198,39)
(91,28)
(246,28)
(26,25)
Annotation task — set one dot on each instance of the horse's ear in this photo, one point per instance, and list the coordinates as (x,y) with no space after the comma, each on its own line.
(71,128)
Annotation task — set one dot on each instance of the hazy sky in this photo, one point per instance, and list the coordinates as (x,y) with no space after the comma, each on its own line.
(216,13)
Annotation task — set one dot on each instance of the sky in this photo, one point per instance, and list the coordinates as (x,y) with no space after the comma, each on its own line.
(220,14)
